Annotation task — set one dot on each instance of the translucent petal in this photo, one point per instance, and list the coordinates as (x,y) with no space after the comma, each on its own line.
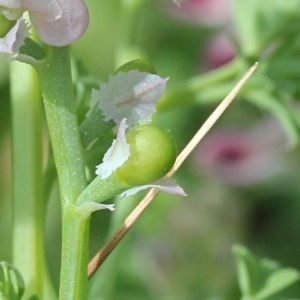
(130,95)
(91,206)
(116,155)
(164,184)
(14,39)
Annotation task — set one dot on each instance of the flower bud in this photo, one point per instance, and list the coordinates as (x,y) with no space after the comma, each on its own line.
(152,155)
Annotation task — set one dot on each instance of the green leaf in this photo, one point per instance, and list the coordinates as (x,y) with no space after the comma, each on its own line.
(277,281)
(260,279)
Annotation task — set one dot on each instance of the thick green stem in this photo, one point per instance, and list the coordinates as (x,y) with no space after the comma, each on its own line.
(28,205)
(57,91)
(58,95)
(74,281)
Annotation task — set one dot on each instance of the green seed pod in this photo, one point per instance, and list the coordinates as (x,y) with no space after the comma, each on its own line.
(152,154)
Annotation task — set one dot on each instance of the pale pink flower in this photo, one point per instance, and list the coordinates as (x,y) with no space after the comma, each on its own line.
(203,12)
(57,22)
(243,156)
(218,51)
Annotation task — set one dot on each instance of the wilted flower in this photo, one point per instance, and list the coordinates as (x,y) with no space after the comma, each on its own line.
(57,22)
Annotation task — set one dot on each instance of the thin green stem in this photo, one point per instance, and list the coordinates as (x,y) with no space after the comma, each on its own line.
(100,189)
(28,205)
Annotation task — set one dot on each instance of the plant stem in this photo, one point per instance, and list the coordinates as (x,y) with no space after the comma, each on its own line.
(57,91)
(28,205)
(74,281)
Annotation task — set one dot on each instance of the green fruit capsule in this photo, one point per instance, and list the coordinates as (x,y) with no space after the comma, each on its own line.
(152,154)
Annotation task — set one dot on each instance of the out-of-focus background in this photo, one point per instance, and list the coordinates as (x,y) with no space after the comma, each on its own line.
(242,181)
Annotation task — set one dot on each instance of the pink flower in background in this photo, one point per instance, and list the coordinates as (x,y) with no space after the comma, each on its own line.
(218,52)
(57,22)
(243,156)
(203,12)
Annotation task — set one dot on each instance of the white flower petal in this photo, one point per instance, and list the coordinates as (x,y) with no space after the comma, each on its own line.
(130,95)
(91,206)
(164,184)
(14,39)
(58,22)
(116,155)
